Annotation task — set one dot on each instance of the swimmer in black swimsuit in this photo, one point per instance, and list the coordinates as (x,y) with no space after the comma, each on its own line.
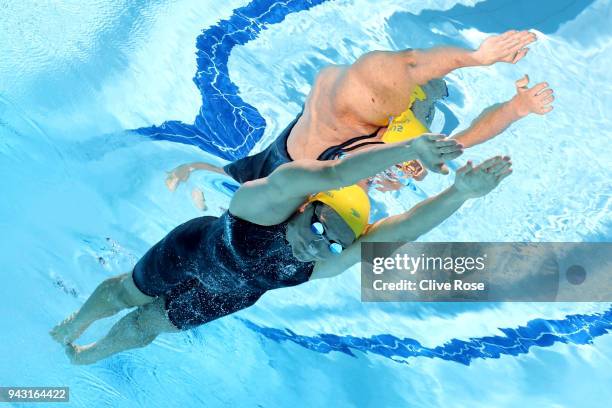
(297,224)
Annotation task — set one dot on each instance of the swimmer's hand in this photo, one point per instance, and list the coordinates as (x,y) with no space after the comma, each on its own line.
(434,149)
(536,99)
(182,172)
(387,182)
(478,181)
(178,175)
(510,47)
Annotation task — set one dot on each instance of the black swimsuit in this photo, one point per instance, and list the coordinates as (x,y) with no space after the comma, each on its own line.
(209,267)
(260,165)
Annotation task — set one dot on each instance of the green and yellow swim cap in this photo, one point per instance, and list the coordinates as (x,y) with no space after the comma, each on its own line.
(351,203)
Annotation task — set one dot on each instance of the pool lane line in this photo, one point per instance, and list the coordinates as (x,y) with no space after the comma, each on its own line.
(578,329)
(226,125)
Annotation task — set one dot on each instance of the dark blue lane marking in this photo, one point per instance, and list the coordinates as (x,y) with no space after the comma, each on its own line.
(574,329)
(226,125)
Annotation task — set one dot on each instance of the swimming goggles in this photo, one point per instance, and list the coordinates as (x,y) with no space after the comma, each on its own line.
(317,228)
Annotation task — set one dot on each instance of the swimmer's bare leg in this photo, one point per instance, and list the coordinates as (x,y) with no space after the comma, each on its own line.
(136,329)
(182,173)
(111,296)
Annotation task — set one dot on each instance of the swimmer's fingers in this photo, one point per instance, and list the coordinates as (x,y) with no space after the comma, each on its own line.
(485,165)
(515,45)
(451,155)
(468,168)
(538,88)
(546,92)
(499,168)
(434,136)
(172,182)
(518,40)
(545,98)
(545,109)
(504,174)
(522,82)
(520,54)
(513,34)
(507,34)
(543,101)
(446,142)
(449,148)
(547,101)
(525,39)
(508,40)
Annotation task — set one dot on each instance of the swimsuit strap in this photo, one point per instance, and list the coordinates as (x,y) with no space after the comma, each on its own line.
(357,146)
(334,151)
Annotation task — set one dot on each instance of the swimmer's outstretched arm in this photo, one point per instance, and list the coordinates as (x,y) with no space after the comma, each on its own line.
(497,118)
(509,47)
(380,83)
(271,200)
(470,182)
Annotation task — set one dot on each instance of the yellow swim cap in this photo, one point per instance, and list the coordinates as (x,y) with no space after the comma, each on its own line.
(417,93)
(406,126)
(351,203)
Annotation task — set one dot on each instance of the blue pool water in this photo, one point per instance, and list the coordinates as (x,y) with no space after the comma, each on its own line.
(97,101)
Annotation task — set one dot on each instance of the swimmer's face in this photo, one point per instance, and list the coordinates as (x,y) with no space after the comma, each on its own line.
(308,246)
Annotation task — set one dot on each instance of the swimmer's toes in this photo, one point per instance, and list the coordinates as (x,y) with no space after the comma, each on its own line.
(65,332)
(172,182)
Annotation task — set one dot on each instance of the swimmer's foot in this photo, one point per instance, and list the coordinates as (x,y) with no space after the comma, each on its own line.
(178,175)
(79,355)
(199,201)
(172,182)
(68,330)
